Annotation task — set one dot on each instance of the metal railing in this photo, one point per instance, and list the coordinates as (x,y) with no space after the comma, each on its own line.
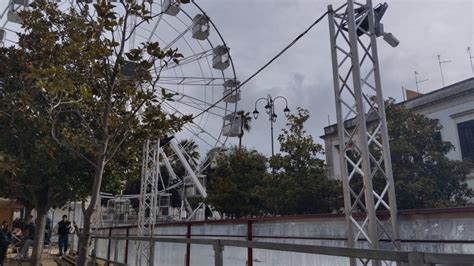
(412,258)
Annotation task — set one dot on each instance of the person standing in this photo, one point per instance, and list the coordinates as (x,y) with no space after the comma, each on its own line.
(5,239)
(64,226)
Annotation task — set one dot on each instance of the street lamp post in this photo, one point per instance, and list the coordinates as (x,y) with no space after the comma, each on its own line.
(270,110)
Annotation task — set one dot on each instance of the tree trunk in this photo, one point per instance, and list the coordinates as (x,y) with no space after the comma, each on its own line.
(39,236)
(240,141)
(84,239)
(85,235)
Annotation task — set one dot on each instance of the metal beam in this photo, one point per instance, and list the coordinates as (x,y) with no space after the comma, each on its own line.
(187,166)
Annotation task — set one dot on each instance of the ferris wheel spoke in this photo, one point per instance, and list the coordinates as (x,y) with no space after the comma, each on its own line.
(182,96)
(192,81)
(198,106)
(198,134)
(175,110)
(188,104)
(152,32)
(168,46)
(189,59)
(196,131)
(200,130)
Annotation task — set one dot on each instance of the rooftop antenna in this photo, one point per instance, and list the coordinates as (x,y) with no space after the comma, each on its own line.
(419,81)
(470,58)
(441,67)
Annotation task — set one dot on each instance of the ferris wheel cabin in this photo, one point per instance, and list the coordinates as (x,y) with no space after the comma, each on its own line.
(221,57)
(15,5)
(231,94)
(200,27)
(232,125)
(170,7)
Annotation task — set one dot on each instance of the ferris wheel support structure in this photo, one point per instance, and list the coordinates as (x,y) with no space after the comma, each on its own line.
(364,145)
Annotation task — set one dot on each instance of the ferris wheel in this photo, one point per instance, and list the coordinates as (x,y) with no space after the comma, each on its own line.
(199,81)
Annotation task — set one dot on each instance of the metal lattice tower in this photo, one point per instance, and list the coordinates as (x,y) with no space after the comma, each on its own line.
(148,200)
(366,168)
(155,192)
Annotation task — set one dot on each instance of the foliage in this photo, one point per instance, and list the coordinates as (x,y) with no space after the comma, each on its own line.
(33,168)
(97,95)
(424,176)
(236,185)
(241,184)
(299,184)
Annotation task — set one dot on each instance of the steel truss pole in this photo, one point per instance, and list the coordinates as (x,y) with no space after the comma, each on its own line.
(148,200)
(362,128)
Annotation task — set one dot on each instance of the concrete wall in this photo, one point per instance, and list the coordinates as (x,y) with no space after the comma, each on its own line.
(438,231)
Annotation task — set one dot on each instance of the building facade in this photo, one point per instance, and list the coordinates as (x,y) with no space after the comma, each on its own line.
(453,106)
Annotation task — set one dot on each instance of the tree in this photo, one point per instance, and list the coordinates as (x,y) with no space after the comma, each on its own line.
(299,184)
(424,176)
(236,185)
(33,168)
(245,120)
(192,150)
(99,94)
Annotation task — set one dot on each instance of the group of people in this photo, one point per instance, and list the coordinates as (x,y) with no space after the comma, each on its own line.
(23,235)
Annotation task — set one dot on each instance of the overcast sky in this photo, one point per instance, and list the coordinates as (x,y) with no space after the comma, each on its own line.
(257,29)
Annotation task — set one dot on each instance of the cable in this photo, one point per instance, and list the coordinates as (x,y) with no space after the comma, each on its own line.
(264,66)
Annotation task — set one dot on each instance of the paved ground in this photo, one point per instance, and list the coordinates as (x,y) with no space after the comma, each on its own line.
(47,259)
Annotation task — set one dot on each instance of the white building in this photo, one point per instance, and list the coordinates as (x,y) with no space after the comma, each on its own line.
(453,106)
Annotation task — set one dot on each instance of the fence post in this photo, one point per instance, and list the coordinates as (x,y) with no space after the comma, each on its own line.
(188,246)
(94,253)
(218,254)
(126,245)
(151,255)
(416,259)
(249,238)
(108,247)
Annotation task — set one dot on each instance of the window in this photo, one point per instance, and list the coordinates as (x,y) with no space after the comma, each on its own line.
(466,140)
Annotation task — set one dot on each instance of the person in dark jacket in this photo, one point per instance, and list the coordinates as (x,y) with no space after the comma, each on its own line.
(64,227)
(5,239)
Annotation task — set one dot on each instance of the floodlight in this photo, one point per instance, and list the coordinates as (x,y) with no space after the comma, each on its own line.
(390,39)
